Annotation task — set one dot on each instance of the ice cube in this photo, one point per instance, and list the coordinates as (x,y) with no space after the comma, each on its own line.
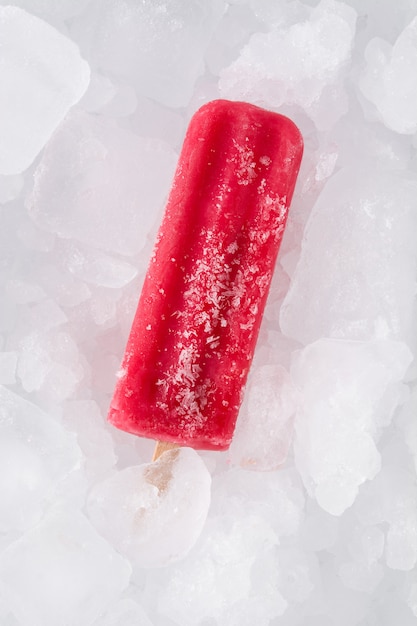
(344,386)
(295,64)
(23,292)
(361,576)
(319,530)
(92,168)
(361,569)
(52,10)
(10,187)
(50,362)
(410,425)
(401,550)
(391,499)
(297,573)
(43,72)
(156,46)
(100,92)
(367,544)
(264,430)
(103,307)
(412,597)
(8,363)
(154,512)
(278,495)
(66,290)
(354,276)
(98,268)
(45,315)
(37,454)
(219,573)
(84,418)
(62,573)
(389,80)
(125,612)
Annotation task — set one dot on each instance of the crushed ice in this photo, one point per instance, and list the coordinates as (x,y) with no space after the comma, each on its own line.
(94,102)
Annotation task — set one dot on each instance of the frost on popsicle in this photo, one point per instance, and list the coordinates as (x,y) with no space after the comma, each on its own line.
(218,285)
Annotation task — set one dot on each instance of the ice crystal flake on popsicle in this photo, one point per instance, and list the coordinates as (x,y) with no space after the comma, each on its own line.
(194,334)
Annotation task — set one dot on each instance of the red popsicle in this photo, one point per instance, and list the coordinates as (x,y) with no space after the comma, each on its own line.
(198,317)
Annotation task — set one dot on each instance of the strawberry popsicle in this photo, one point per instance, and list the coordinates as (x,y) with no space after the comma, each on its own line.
(198,317)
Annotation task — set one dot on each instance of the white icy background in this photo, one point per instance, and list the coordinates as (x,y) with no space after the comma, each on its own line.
(313,513)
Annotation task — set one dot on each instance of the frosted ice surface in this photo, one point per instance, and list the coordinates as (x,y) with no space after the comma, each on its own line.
(66,290)
(49,361)
(367,543)
(401,549)
(412,597)
(296,64)
(108,98)
(43,72)
(10,187)
(220,574)
(76,230)
(85,418)
(391,498)
(319,530)
(45,315)
(358,141)
(22,291)
(264,429)
(389,80)
(93,168)
(98,268)
(233,31)
(154,512)
(62,573)
(36,455)
(103,307)
(34,238)
(355,277)
(8,363)
(51,9)
(410,425)
(344,386)
(125,613)
(100,92)
(361,576)
(364,571)
(178,34)
(279,495)
(297,573)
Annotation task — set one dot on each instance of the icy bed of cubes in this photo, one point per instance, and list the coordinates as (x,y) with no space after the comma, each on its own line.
(313,512)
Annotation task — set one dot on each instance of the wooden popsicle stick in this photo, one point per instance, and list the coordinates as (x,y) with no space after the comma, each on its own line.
(163,446)
(160,474)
